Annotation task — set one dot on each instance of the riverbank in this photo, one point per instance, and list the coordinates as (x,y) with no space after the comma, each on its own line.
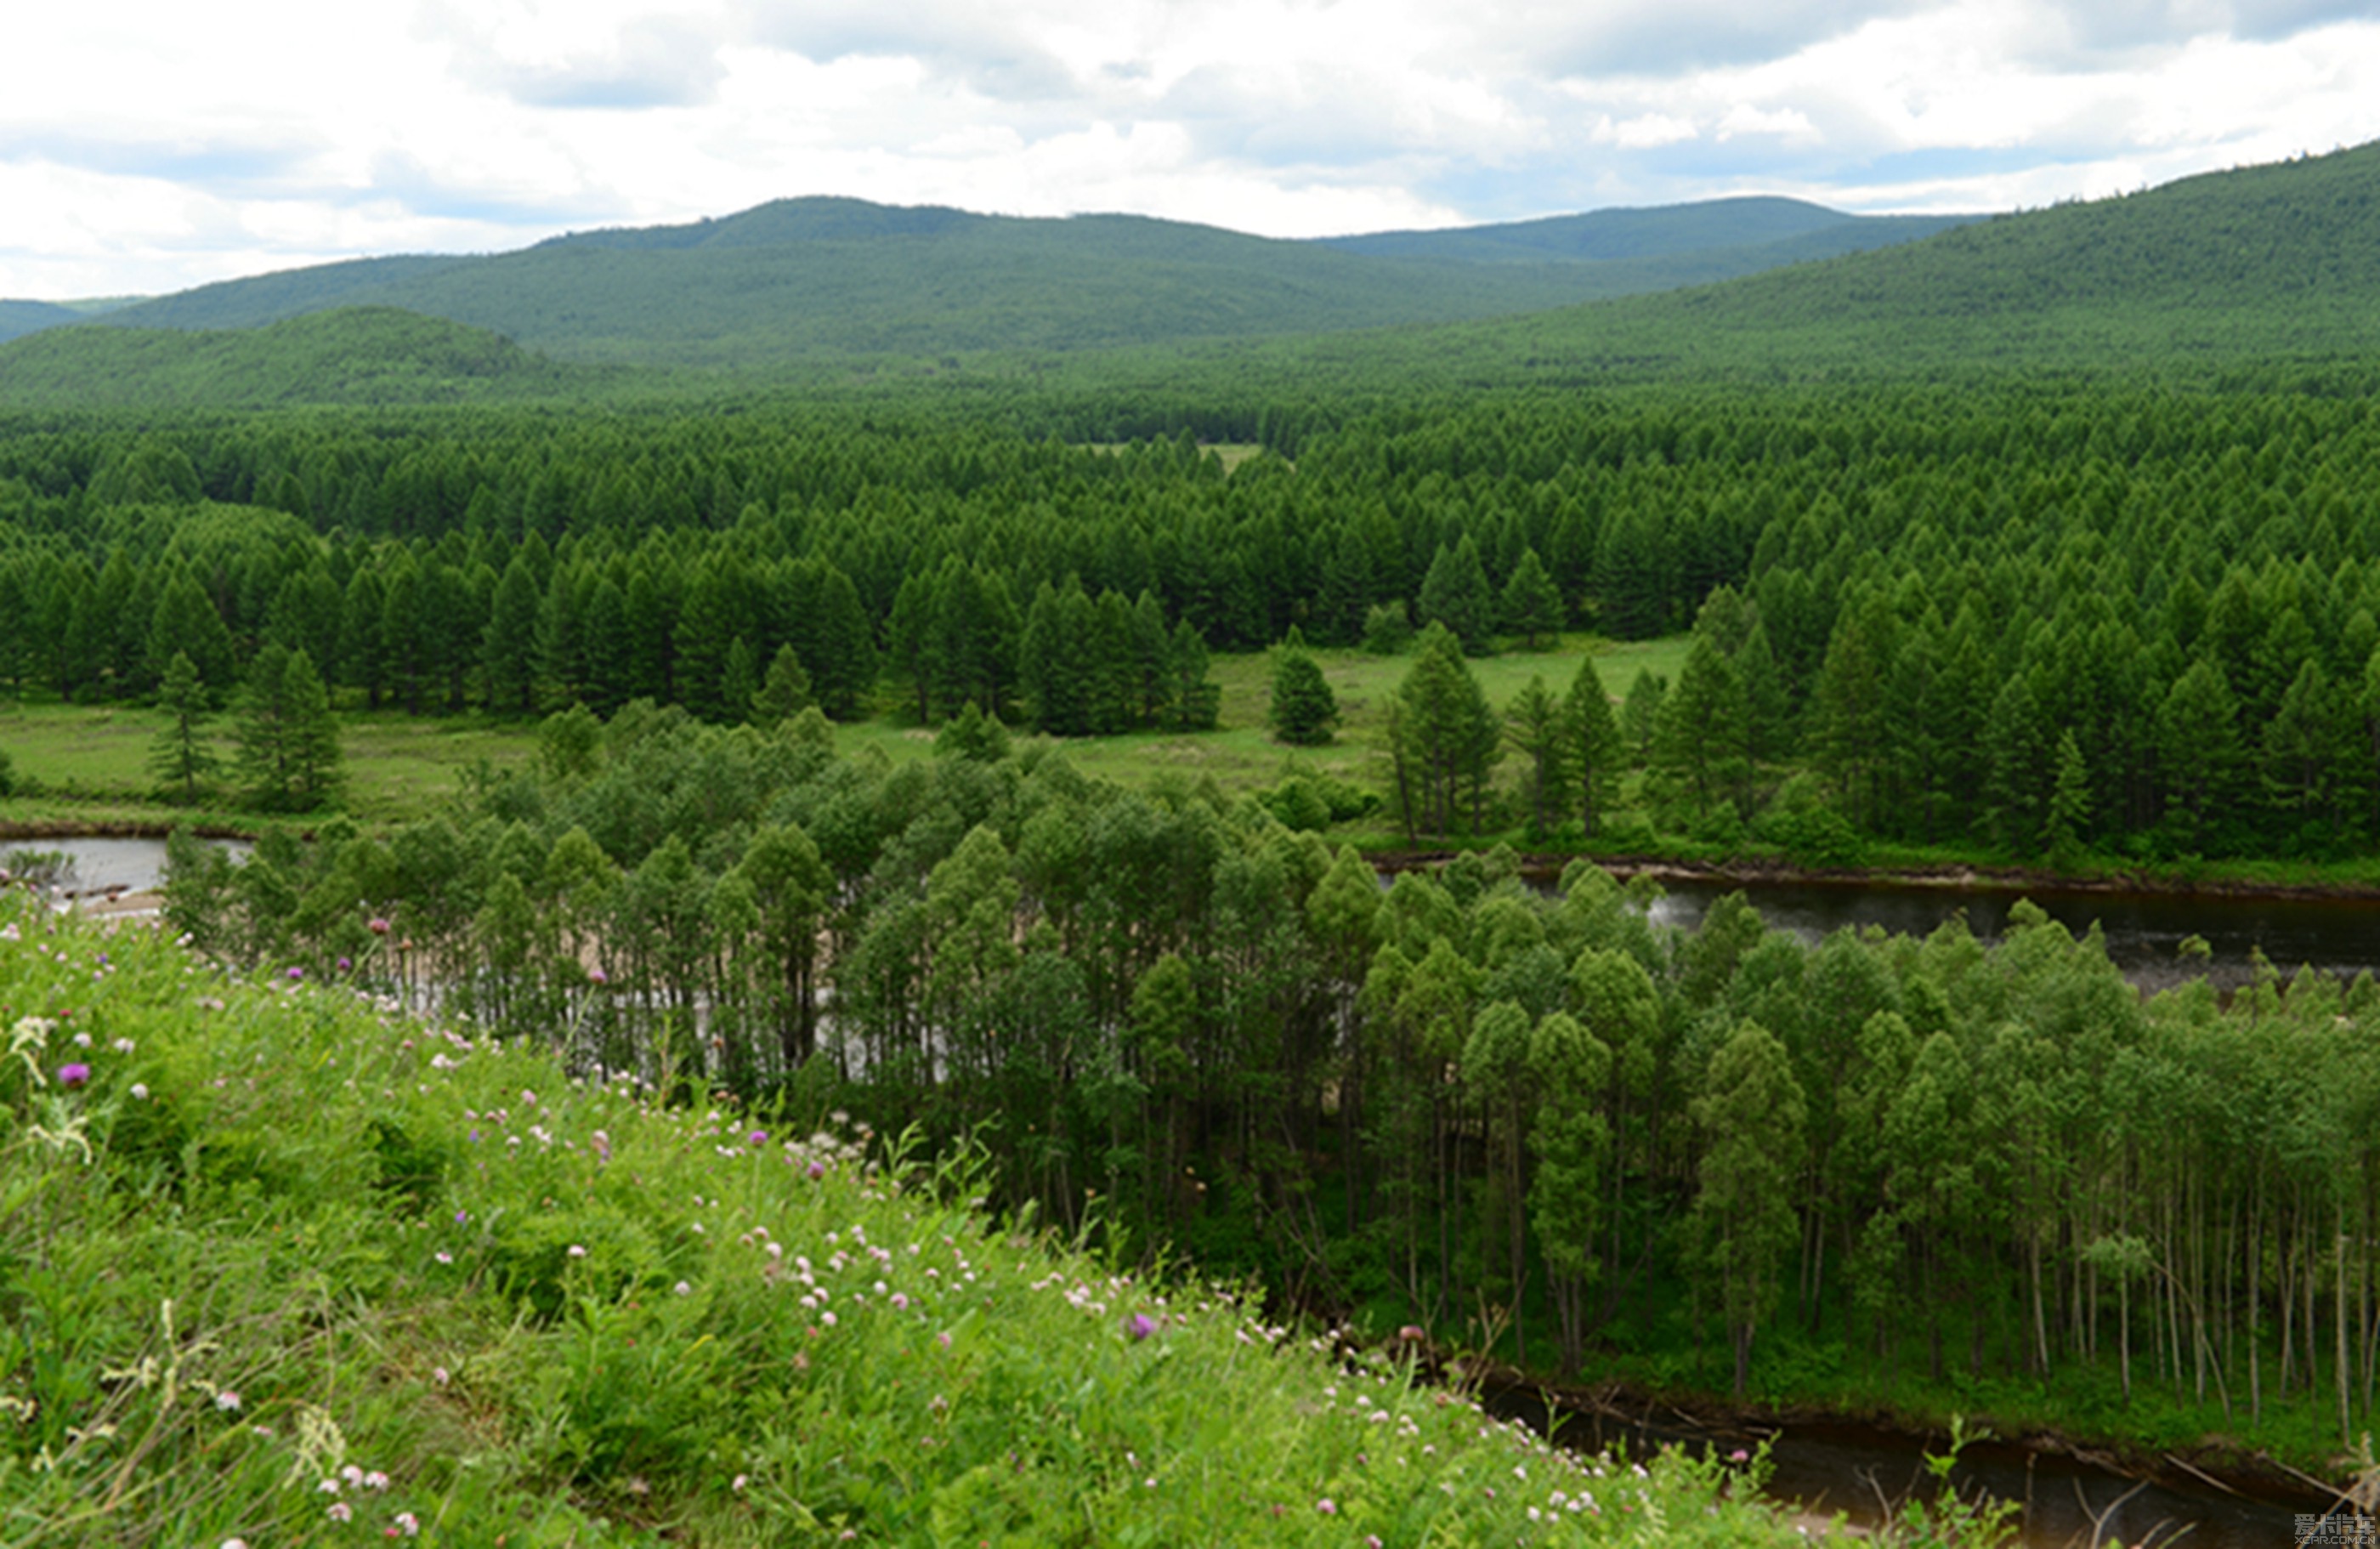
(1760,871)
(1865,1463)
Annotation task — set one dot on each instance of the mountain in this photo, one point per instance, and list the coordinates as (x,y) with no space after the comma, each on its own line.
(821,278)
(1785,230)
(19,318)
(2270,268)
(356,355)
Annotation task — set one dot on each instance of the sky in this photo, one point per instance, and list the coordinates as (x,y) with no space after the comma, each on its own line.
(148,147)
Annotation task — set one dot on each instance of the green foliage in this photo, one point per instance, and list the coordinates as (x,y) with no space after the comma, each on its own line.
(552,1311)
(1302,708)
(182,757)
(288,754)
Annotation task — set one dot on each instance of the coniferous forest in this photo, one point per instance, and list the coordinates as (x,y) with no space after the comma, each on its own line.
(2118,610)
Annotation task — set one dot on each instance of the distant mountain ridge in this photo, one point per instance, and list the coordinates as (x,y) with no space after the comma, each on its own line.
(19,318)
(2264,274)
(819,277)
(1747,223)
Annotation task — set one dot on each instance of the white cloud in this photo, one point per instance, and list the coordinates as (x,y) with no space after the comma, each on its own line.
(156,145)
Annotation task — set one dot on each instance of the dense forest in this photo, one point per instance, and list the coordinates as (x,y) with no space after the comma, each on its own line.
(1179,1024)
(2032,619)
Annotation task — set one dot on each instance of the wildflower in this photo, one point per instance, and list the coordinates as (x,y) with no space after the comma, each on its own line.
(341,1511)
(1141,1326)
(123,1046)
(741,1480)
(682,1288)
(441,1375)
(375,1481)
(577,1250)
(1328,1506)
(599,976)
(818,1169)
(758,1138)
(345,964)
(378,926)
(227,1401)
(1739,1455)
(295,973)
(408,1524)
(81,1041)
(72,1075)
(140,1091)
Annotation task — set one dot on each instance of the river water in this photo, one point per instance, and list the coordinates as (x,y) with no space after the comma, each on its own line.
(1835,1466)
(2144,932)
(97,864)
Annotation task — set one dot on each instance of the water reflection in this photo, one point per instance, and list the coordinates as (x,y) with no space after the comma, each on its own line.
(2143,930)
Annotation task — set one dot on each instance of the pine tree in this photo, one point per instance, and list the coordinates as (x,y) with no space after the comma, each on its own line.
(2069,801)
(1304,709)
(181,757)
(1596,750)
(1444,739)
(738,683)
(508,645)
(1192,702)
(1455,593)
(289,757)
(786,691)
(1533,721)
(1533,605)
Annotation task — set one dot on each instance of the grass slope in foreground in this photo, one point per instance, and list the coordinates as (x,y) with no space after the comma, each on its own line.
(281,1265)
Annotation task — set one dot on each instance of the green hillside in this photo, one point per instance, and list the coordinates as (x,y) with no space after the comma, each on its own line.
(812,278)
(1728,230)
(18,318)
(357,356)
(2269,264)
(281,1265)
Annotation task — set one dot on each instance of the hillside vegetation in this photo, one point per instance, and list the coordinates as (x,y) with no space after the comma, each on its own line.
(835,277)
(281,1265)
(365,355)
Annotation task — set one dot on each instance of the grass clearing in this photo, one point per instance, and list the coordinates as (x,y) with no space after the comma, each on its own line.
(90,761)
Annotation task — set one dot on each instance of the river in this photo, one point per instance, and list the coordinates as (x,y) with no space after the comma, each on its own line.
(98,863)
(2143,930)
(1827,1467)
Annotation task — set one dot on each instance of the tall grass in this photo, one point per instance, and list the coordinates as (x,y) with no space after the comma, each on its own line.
(280,1265)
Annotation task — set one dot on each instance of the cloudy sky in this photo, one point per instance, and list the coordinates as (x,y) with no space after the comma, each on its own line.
(145,147)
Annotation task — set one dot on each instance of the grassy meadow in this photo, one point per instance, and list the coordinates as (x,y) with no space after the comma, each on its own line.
(88,763)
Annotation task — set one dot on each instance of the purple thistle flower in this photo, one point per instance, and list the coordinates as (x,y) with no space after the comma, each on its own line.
(297,973)
(72,1075)
(1141,1326)
(345,965)
(818,1169)
(758,1138)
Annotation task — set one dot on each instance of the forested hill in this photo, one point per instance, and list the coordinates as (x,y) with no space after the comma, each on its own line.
(807,278)
(2278,262)
(1742,236)
(365,355)
(18,318)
